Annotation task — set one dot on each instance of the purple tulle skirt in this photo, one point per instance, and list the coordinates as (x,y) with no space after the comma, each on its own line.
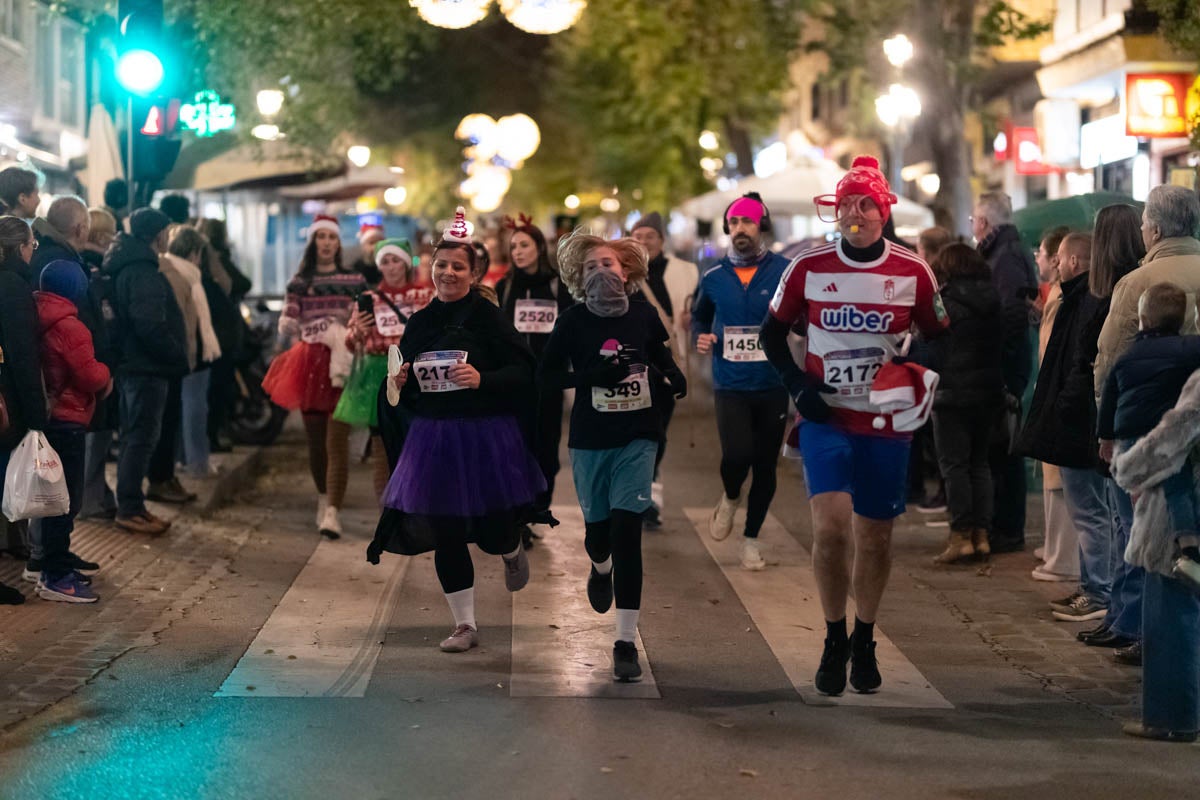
(464,468)
(472,480)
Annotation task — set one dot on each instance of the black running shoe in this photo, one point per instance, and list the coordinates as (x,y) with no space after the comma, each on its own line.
(81,564)
(600,590)
(864,671)
(626,668)
(831,675)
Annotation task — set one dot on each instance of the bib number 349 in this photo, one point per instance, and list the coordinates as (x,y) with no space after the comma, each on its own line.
(432,370)
(631,394)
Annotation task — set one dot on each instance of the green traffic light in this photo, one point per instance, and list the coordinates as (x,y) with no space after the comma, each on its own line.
(140,71)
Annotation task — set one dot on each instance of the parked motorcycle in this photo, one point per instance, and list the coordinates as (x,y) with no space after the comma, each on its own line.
(255,420)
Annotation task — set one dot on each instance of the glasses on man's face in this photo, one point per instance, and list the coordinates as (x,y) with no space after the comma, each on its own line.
(32,244)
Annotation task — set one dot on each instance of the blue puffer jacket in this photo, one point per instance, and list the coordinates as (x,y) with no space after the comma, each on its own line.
(722,302)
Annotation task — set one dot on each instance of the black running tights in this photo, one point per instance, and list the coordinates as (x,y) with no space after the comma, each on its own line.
(751,426)
(620,536)
(454,567)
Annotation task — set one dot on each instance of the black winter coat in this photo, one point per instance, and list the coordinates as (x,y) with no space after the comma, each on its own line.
(1145,383)
(1061,426)
(968,358)
(151,338)
(21,371)
(1014,274)
(519,286)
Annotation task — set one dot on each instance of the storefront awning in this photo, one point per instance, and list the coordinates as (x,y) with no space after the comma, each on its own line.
(224,162)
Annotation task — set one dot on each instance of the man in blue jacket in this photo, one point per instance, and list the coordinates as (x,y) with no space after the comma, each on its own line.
(751,401)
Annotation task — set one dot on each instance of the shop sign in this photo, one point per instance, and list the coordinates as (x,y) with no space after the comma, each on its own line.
(1027,150)
(1156,104)
(1104,142)
(207,115)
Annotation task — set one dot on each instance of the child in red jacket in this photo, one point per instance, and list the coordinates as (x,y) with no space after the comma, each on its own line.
(73,379)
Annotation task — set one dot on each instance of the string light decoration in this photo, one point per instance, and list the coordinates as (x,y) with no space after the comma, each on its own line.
(543,16)
(453,14)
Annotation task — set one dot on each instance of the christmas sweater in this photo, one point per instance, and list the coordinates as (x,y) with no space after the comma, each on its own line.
(855,315)
(391,316)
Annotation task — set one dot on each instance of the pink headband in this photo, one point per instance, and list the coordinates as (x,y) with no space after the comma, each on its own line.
(746,207)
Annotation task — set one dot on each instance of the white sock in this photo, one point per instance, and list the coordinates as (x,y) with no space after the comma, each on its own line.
(627,620)
(462,606)
(512,555)
(322,501)
(603,567)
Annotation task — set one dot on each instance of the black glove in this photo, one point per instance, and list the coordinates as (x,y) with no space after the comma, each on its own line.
(678,385)
(806,391)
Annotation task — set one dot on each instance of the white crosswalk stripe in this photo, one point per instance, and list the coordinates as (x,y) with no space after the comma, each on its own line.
(560,646)
(324,637)
(783,602)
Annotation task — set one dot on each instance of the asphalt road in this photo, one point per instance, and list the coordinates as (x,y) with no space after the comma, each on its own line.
(127,686)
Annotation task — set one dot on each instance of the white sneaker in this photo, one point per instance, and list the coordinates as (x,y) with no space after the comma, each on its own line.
(322,504)
(656,494)
(751,556)
(721,524)
(1040,574)
(331,526)
(460,640)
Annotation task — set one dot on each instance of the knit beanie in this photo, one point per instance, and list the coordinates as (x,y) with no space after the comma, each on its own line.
(65,279)
(864,178)
(147,223)
(398,247)
(651,220)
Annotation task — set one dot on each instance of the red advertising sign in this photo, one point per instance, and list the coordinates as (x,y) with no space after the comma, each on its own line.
(1026,149)
(1156,104)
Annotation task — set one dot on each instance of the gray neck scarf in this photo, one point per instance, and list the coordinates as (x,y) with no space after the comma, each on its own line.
(605,295)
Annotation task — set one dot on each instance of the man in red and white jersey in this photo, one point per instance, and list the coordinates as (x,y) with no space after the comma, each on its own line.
(854,300)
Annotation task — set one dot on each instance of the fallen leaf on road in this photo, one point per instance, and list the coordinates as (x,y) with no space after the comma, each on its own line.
(291,658)
(555,574)
(606,770)
(725,724)
(985,571)
(554,626)
(268,651)
(749,773)
(250,688)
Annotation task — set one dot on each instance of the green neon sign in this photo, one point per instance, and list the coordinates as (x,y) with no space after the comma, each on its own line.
(207,115)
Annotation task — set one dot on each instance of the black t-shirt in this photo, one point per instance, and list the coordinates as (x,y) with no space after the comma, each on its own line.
(586,341)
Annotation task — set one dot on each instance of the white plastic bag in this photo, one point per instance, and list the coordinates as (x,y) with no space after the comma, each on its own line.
(34,486)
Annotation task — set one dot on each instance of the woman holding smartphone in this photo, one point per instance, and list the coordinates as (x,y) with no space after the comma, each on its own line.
(378,322)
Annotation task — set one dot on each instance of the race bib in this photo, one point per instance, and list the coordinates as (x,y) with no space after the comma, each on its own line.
(313,332)
(631,394)
(535,316)
(432,370)
(741,344)
(387,321)
(851,372)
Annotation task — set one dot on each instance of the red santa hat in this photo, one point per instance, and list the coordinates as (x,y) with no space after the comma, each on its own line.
(905,392)
(865,178)
(323,222)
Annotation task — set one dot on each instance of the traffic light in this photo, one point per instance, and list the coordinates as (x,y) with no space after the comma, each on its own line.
(141,68)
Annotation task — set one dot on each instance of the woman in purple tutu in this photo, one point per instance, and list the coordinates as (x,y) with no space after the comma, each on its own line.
(465,473)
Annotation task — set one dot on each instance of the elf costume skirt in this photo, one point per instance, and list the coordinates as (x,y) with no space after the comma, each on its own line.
(470,479)
(357,406)
(298,379)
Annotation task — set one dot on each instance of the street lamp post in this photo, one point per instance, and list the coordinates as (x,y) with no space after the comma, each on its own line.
(898,108)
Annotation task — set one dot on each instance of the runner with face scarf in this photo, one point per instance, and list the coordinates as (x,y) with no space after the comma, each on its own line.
(606,347)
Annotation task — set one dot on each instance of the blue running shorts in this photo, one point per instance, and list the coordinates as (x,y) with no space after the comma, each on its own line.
(617,478)
(872,469)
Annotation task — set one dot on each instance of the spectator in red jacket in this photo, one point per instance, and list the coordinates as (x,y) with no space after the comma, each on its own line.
(73,379)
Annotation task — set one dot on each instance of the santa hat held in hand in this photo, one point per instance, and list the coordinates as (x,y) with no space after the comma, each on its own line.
(905,391)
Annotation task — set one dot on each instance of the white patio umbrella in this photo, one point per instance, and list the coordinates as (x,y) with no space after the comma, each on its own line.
(103,155)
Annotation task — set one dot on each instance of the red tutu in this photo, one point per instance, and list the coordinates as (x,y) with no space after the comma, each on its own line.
(299,379)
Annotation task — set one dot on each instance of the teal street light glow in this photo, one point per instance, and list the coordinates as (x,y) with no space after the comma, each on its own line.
(139,71)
